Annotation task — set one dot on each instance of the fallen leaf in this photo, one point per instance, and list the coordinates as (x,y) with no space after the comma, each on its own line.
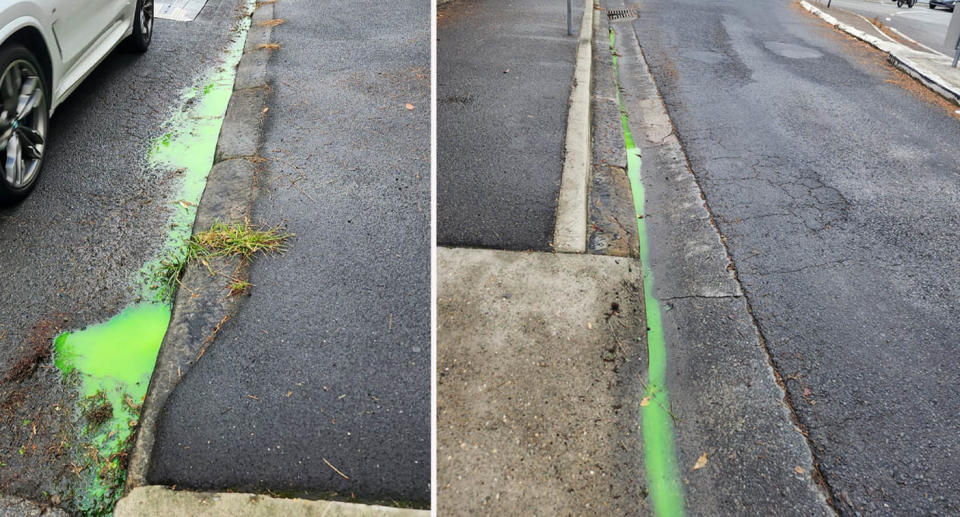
(701,462)
(644,401)
(800,470)
(272,23)
(409,106)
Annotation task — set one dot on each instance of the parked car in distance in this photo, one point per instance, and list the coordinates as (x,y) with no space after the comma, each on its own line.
(47,48)
(949,4)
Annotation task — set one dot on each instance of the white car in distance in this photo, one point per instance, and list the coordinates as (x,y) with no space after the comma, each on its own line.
(47,47)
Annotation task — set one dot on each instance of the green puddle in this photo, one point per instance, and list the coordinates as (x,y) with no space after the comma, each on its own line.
(656,419)
(111,363)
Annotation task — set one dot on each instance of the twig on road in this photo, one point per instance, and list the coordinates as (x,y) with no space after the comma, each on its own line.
(335,469)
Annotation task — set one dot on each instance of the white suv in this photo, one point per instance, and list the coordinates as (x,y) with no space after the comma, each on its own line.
(47,47)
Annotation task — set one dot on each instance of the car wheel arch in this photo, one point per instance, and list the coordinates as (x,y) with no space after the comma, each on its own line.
(31,38)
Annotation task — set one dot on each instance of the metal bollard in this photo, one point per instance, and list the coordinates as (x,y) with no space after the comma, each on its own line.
(569,19)
(953,36)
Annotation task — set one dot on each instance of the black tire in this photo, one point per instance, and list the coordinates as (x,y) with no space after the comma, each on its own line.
(139,40)
(36,120)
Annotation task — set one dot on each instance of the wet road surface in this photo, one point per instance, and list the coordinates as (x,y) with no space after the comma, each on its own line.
(840,212)
(70,253)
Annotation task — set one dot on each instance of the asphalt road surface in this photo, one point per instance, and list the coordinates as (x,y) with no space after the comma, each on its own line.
(70,252)
(835,186)
(504,71)
(927,26)
(320,383)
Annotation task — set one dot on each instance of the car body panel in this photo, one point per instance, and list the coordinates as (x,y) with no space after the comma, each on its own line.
(74,48)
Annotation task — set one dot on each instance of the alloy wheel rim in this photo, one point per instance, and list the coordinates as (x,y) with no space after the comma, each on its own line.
(146,19)
(23,123)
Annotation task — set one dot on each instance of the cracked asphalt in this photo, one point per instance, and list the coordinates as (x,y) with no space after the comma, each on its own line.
(832,183)
(71,251)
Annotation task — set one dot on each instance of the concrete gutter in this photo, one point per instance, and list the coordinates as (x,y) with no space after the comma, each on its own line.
(198,312)
(570,232)
(932,70)
(738,448)
(156,501)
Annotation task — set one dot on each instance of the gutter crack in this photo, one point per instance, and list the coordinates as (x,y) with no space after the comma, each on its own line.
(703,297)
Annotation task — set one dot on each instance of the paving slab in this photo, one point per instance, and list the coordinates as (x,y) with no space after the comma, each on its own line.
(157,501)
(537,358)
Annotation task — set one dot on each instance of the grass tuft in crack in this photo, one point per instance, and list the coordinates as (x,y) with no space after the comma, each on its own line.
(240,239)
(222,239)
(238,287)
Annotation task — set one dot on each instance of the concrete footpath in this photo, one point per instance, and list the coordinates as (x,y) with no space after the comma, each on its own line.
(537,361)
(156,501)
(932,69)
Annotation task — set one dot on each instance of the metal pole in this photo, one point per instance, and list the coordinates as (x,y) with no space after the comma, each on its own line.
(569,21)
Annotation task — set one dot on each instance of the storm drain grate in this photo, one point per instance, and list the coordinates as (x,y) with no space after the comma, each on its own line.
(623,14)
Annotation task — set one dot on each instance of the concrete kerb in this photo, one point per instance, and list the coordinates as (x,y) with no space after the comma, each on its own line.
(570,232)
(198,312)
(927,78)
(156,501)
(897,54)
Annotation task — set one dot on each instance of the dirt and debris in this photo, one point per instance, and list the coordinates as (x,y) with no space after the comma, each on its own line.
(98,410)
(40,340)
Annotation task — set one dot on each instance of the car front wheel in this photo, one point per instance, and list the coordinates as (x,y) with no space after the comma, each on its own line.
(139,40)
(24,118)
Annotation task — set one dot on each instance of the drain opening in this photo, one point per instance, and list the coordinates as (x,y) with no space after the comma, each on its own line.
(623,14)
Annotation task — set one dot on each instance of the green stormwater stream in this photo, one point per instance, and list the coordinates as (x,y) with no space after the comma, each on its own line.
(111,363)
(656,419)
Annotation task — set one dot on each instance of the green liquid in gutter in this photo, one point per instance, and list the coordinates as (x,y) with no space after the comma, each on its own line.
(112,362)
(657,422)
